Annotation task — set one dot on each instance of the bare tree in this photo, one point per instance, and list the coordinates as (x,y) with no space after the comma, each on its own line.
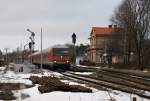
(134,17)
(115,44)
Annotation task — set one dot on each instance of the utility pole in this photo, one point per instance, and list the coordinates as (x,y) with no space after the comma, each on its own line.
(18,55)
(21,53)
(41,50)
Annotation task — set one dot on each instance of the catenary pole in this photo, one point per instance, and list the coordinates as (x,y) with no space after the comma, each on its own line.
(7,67)
(41,49)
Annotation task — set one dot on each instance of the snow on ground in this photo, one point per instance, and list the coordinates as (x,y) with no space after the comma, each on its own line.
(96,67)
(26,67)
(2,68)
(69,96)
(13,77)
(74,83)
(35,95)
(81,66)
(84,73)
(44,73)
(97,95)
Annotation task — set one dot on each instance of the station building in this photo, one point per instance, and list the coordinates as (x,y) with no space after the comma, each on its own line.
(100,41)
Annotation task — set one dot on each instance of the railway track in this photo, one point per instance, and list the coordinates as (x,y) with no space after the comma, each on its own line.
(119,80)
(88,69)
(134,74)
(114,83)
(138,78)
(141,75)
(127,77)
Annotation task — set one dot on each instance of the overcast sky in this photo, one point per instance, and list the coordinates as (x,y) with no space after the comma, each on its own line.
(58,18)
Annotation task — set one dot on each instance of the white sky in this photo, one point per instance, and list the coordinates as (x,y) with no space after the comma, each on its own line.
(58,18)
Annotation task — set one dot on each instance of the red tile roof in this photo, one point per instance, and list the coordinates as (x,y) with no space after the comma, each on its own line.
(101,31)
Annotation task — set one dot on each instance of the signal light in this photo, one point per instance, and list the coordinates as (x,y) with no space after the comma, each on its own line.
(74,38)
(30,45)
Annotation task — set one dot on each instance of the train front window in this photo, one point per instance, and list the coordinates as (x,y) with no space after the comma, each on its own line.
(61,52)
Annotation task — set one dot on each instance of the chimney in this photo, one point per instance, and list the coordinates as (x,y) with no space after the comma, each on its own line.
(109,26)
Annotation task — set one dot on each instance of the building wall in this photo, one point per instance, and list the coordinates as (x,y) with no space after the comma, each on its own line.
(99,46)
(92,53)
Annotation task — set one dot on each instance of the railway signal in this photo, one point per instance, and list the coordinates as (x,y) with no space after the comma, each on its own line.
(74,52)
(74,38)
(30,45)
(32,39)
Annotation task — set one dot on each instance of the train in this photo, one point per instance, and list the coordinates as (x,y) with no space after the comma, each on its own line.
(54,57)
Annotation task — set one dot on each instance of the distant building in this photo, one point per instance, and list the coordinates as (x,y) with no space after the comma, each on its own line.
(100,42)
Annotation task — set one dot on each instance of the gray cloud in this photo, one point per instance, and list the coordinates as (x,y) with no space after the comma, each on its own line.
(58,18)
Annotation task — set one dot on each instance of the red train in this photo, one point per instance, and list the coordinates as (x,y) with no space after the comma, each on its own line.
(54,56)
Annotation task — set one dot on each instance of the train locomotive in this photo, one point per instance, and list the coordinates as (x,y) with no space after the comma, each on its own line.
(58,56)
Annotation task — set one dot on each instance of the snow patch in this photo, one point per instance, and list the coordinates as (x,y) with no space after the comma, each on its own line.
(84,73)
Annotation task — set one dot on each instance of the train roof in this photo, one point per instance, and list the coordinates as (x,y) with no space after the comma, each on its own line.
(47,49)
(59,46)
(55,46)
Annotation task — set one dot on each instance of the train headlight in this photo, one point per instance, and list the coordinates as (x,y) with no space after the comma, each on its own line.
(55,61)
(68,61)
